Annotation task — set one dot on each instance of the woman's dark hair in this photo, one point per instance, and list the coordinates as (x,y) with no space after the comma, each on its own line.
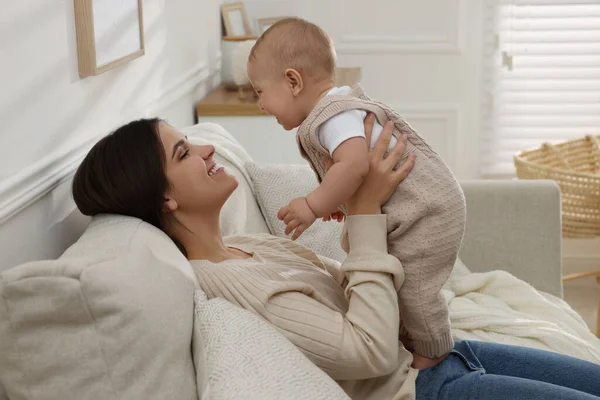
(124,173)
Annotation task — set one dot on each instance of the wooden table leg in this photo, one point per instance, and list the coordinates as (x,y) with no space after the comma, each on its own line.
(580,275)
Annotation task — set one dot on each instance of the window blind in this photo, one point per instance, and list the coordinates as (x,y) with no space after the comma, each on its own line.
(541,76)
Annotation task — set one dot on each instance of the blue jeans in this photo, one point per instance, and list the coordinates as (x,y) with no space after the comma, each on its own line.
(488,371)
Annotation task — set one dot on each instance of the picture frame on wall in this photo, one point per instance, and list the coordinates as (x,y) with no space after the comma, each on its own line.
(235,20)
(265,23)
(109,33)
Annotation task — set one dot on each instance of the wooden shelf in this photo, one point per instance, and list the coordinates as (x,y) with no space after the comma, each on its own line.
(224,103)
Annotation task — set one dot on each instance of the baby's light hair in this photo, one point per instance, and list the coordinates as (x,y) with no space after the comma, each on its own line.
(298,44)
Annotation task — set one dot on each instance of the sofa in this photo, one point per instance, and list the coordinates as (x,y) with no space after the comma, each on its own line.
(120,315)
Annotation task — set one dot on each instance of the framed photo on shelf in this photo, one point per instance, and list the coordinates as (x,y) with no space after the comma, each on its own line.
(235,20)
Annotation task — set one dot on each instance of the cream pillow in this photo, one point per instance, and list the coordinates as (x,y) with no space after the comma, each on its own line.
(242,357)
(112,318)
(274,186)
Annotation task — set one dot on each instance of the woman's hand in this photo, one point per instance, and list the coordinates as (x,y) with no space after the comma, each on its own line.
(382,178)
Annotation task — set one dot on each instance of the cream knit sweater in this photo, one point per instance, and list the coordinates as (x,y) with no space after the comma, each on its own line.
(426,220)
(345,319)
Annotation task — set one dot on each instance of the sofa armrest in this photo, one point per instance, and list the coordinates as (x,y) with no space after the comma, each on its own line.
(515,226)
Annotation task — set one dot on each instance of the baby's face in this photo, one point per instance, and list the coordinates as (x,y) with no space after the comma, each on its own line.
(276,97)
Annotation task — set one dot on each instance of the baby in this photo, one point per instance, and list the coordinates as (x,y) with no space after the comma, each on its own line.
(291,67)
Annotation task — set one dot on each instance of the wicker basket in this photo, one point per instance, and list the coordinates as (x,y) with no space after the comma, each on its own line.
(575,166)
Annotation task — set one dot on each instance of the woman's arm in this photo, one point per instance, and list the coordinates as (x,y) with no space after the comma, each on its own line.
(363,342)
(333,267)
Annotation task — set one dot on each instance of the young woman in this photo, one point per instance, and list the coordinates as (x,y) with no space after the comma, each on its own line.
(343,317)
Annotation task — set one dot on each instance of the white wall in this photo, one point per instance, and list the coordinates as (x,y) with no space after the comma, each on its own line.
(422,57)
(49,114)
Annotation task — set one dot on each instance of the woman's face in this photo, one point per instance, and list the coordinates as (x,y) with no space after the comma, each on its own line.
(197,182)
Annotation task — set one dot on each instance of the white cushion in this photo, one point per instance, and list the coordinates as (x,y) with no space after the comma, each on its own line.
(245,358)
(112,318)
(275,185)
(240,214)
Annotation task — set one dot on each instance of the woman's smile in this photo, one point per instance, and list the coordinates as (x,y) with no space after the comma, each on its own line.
(215,169)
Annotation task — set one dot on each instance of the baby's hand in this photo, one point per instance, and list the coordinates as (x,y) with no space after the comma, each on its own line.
(297,217)
(336,216)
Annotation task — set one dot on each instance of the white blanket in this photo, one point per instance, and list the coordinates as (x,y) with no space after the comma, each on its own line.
(498,307)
